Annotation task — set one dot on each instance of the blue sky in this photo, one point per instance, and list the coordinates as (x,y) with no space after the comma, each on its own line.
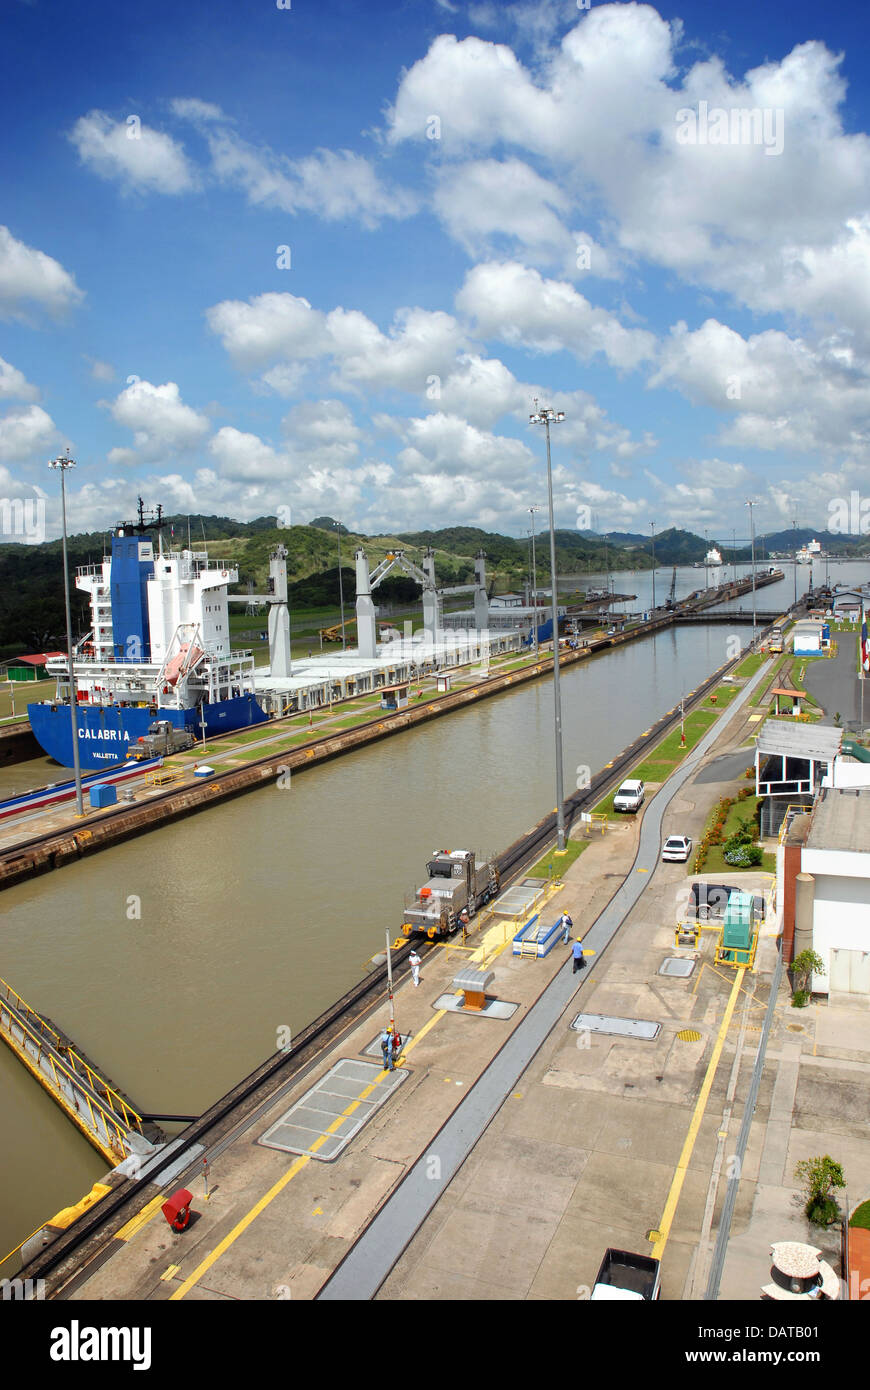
(481,203)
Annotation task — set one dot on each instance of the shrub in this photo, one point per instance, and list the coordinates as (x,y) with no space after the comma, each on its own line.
(820,1176)
(800,998)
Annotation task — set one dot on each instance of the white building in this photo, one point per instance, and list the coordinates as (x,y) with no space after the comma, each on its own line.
(837,855)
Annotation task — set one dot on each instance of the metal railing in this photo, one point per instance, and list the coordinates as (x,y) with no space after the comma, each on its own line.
(117,1116)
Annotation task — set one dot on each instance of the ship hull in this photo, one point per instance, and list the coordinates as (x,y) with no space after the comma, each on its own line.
(107,731)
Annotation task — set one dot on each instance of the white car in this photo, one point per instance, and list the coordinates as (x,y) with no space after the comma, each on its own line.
(629,796)
(677,847)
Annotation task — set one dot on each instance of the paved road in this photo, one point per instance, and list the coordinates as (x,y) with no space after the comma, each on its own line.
(835,684)
(368,1263)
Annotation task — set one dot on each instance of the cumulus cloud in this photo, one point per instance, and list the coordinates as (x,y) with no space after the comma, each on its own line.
(782,393)
(24,433)
(30,276)
(162,424)
(138,157)
(283,328)
(606,110)
(14,385)
(511,302)
(334,184)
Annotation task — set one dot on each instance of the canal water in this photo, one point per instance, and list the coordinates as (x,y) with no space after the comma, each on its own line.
(176,960)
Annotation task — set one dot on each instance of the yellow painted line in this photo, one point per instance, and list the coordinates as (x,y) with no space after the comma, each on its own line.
(296,1167)
(664,1228)
(141,1219)
(169,1272)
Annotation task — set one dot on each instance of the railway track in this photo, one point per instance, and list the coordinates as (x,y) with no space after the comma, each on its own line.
(258,1089)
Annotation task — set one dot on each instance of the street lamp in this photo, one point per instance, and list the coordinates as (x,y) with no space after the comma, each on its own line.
(337,525)
(794,524)
(653,529)
(532,511)
(63,462)
(750,505)
(548,417)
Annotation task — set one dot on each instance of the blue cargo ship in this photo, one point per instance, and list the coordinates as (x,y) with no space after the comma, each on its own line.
(158,648)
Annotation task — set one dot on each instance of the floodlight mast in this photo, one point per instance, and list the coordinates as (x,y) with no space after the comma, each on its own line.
(548,417)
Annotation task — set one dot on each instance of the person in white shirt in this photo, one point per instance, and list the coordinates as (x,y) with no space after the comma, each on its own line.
(415,962)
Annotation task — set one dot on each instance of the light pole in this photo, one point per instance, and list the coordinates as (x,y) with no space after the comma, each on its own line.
(532,511)
(653,529)
(547,417)
(750,505)
(794,524)
(337,525)
(63,462)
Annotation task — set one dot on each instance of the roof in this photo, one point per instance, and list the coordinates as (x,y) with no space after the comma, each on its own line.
(38,660)
(809,624)
(786,690)
(786,739)
(841,820)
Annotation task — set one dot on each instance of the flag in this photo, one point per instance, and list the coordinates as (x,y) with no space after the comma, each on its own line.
(865,645)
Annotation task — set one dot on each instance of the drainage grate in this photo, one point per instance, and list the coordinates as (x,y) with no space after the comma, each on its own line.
(689,1035)
(678,966)
(321,1117)
(642,1028)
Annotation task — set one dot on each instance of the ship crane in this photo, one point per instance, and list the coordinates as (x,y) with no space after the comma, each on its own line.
(279,612)
(671,601)
(367,581)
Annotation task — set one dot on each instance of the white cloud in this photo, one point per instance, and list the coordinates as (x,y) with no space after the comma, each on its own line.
(162,424)
(24,433)
(515,304)
(602,110)
(139,157)
(484,202)
(281,328)
(30,275)
(14,385)
(783,393)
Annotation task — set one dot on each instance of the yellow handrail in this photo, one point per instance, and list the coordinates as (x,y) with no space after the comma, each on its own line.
(130,1116)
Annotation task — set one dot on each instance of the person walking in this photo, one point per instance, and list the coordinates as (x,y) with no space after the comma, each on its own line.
(415,962)
(566,924)
(387,1050)
(577,952)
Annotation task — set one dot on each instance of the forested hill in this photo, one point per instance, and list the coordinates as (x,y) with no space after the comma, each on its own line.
(31,576)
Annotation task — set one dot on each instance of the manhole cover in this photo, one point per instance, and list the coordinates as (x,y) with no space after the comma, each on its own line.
(795,1027)
(689,1035)
(678,966)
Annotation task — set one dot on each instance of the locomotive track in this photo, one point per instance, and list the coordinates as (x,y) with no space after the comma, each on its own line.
(238,1108)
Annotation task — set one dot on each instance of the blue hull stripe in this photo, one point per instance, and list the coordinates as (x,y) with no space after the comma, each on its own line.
(106,731)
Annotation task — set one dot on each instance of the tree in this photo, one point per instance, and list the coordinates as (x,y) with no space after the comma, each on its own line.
(820,1176)
(806,964)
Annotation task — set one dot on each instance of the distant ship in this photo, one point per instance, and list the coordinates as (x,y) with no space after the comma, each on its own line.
(159,647)
(808,553)
(713,557)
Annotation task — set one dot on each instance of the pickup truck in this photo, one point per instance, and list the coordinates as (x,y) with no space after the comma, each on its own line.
(631,1278)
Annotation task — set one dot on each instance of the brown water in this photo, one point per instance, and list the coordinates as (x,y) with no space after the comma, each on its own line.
(258,914)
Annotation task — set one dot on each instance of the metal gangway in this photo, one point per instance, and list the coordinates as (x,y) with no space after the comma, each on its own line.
(103,1116)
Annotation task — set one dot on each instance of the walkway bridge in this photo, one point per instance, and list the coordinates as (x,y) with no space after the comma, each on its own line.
(102,1114)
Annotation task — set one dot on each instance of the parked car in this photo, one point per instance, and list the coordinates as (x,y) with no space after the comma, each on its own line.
(677,848)
(629,796)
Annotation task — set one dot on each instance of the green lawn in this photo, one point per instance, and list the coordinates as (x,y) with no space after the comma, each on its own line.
(861,1217)
(554,865)
(664,757)
(653,771)
(749,665)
